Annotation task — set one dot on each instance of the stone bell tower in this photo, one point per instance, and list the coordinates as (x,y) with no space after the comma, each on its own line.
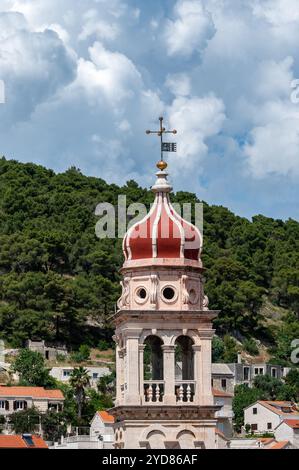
(163,334)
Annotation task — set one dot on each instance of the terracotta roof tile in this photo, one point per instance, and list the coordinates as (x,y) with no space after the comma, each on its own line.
(221,393)
(266,440)
(34,392)
(292,423)
(279,445)
(18,442)
(272,405)
(106,417)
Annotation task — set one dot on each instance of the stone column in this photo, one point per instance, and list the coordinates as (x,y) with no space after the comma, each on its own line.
(119,374)
(205,373)
(197,377)
(132,396)
(169,375)
(141,371)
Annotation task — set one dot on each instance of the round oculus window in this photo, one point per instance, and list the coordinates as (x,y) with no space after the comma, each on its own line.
(141,294)
(168,293)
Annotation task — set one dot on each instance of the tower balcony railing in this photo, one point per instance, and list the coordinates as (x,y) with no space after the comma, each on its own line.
(184,391)
(153,391)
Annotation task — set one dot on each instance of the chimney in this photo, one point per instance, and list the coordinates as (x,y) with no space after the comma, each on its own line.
(239,358)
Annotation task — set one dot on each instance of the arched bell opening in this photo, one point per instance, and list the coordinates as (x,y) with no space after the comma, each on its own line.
(184,369)
(153,369)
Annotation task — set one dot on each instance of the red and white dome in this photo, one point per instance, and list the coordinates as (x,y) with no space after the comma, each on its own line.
(162,233)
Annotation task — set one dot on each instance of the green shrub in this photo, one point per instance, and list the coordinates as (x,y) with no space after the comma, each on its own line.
(104,345)
(250,346)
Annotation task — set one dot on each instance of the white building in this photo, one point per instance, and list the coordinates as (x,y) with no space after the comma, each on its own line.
(100,436)
(288,430)
(225,414)
(101,427)
(21,398)
(222,377)
(95,373)
(265,416)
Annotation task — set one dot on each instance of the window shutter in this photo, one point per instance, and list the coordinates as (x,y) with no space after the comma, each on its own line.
(25,405)
(14,405)
(7,405)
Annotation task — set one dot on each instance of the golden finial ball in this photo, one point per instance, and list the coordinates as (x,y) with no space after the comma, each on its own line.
(161,165)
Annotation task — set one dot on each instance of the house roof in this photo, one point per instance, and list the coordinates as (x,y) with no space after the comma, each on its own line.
(292,423)
(279,445)
(276,407)
(106,417)
(221,369)
(30,392)
(221,393)
(266,440)
(19,442)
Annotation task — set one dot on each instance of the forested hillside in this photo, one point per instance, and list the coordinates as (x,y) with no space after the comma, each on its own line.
(60,282)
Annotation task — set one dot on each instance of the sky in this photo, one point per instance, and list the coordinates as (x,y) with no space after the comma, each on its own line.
(84,79)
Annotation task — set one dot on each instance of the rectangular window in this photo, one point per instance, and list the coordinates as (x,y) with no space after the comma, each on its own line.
(273,372)
(256,371)
(223,383)
(261,371)
(94,375)
(66,373)
(2,404)
(19,405)
(269,425)
(246,373)
(254,427)
(254,411)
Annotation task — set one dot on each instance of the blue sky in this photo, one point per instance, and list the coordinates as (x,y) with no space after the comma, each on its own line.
(85,78)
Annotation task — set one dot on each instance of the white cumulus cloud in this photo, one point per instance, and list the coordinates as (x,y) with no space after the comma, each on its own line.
(190,29)
(196,119)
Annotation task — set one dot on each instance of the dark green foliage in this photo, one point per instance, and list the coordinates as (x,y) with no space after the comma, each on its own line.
(79,381)
(25,421)
(250,346)
(30,366)
(274,389)
(104,345)
(82,354)
(57,278)
(53,425)
(224,350)
(230,349)
(217,349)
(244,396)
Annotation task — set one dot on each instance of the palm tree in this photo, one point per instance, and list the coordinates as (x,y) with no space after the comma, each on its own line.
(79,380)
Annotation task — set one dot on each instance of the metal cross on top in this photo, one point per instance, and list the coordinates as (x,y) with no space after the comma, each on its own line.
(165,146)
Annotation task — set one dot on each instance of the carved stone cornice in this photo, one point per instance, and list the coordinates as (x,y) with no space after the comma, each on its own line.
(164,413)
(151,316)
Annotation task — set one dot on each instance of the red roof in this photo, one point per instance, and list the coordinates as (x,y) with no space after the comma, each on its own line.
(18,442)
(106,417)
(279,445)
(221,393)
(30,392)
(276,407)
(292,423)
(162,233)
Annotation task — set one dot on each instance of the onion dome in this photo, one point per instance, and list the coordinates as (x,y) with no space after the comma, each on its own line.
(162,233)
